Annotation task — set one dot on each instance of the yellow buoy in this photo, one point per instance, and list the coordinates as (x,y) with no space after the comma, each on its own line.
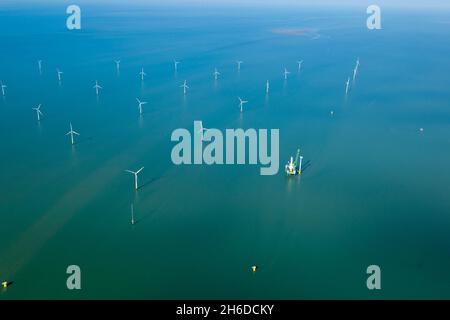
(5,284)
(254,268)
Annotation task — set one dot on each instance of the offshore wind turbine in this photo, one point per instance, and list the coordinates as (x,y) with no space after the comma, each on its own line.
(135,177)
(239,64)
(59,73)
(356,69)
(267,86)
(38,112)
(132,214)
(142,73)
(175,65)
(286,72)
(347,84)
(299,65)
(97,87)
(140,104)
(300,164)
(4,86)
(72,132)
(185,87)
(216,73)
(202,129)
(241,103)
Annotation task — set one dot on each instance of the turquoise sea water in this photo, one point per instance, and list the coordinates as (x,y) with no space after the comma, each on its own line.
(374,189)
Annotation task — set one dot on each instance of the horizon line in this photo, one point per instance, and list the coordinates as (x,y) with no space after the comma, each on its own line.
(256,4)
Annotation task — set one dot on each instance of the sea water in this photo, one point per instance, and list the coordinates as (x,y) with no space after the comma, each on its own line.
(374,189)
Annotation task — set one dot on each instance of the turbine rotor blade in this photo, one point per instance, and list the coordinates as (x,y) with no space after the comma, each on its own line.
(139,170)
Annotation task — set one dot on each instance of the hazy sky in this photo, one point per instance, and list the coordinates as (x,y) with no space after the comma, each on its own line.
(414,4)
(398,3)
(405,3)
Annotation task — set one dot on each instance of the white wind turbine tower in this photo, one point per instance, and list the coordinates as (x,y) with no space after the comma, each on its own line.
(202,129)
(299,65)
(140,104)
(267,86)
(59,74)
(38,112)
(97,87)
(72,132)
(285,74)
(347,84)
(135,177)
(142,73)
(239,65)
(132,214)
(241,103)
(4,86)
(184,86)
(216,73)
(40,66)
(117,65)
(355,71)
(175,65)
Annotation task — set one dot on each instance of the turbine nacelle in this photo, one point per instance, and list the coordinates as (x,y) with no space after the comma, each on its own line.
(59,73)
(72,133)
(286,72)
(184,86)
(3,87)
(135,173)
(140,104)
(216,73)
(241,103)
(175,64)
(202,129)
(142,74)
(38,112)
(117,62)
